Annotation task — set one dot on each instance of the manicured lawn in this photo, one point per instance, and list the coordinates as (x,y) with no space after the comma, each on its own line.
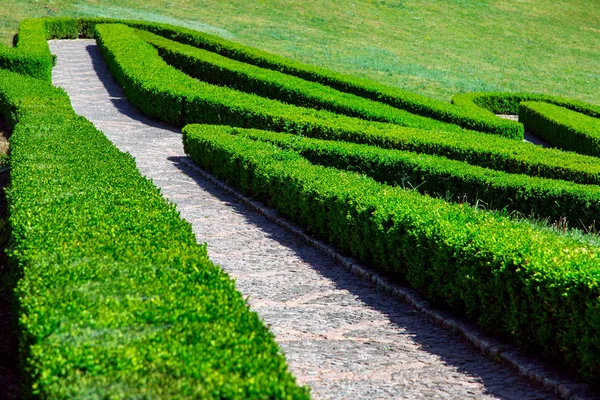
(433,47)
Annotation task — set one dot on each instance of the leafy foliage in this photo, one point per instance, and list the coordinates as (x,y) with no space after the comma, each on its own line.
(31,56)
(540,289)
(116,298)
(480,120)
(449,179)
(141,325)
(219,70)
(562,127)
(165,93)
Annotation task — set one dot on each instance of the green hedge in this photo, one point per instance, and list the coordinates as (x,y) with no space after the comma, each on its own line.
(449,179)
(167,94)
(31,55)
(480,120)
(508,103)
(116,298)
(538,288)
(219,70)
(561,127)
(163,92)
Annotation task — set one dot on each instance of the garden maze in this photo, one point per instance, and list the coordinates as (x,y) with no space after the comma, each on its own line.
(447,198)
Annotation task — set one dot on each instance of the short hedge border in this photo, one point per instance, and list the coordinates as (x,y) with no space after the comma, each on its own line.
(471,110)
(508,103)
(31,55)
(164,93)
(449,179)
(480,120)
(116,298)
(538,288)
(561,127)
(218,70)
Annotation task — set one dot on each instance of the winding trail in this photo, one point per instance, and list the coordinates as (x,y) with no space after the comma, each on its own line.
(340,335)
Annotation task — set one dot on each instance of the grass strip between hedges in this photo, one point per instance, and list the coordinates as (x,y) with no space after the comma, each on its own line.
(117,299)
(165,93)
(449,179)
(562,127)
(538,288)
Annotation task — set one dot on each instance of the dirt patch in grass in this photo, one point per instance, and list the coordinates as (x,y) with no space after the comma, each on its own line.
(9,346)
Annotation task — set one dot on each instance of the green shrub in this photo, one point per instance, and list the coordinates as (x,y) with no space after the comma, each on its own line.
(508,103)
(480,120)
(449,179)
(562,127)
(167,94)
(538,288)
(219,70)
(31,55)
(116,298)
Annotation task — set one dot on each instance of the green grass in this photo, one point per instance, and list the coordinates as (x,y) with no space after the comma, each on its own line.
(434,47)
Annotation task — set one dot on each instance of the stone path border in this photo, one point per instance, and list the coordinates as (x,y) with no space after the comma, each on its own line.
(342,337)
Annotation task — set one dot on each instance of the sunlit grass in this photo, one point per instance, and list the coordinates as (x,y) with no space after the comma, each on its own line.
(435,47)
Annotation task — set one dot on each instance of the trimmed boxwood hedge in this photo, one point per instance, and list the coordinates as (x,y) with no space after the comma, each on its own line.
(472,110)
(33,58)
(167,94)
(562,127)
(538,288)
(480,120)
(116,298)
(449,179)
(508,103)
(31,55)
(218,70)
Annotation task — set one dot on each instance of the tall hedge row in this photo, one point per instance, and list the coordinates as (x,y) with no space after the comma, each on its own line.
(116,298)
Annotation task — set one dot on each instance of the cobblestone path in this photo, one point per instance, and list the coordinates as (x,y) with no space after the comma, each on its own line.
(340,335)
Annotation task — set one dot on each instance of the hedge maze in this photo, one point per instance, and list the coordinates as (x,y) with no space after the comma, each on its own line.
(424,190)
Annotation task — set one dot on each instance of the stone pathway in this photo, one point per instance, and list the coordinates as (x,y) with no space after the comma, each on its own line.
(340,336)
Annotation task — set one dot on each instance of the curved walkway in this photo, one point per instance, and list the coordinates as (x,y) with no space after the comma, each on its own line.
(340,335)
